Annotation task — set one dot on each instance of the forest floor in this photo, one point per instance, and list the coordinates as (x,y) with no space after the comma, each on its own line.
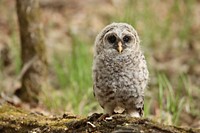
(17,120)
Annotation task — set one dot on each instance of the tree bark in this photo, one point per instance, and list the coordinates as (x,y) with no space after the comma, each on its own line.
(33,54)
(16,120)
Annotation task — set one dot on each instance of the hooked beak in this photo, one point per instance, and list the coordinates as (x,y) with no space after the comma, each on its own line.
(119,47)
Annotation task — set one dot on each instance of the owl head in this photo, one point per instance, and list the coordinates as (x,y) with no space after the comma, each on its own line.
(117,39)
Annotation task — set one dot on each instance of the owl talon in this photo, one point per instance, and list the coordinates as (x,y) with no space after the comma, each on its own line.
(115,116)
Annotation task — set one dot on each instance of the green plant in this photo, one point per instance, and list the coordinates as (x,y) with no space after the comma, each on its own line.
(169,99)
(74,74)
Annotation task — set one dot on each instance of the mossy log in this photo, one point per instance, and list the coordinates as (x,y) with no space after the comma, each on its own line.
(17,120)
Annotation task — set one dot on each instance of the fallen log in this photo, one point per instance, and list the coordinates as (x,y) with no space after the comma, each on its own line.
(13,119)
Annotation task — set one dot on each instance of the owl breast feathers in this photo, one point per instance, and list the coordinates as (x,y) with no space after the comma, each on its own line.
(120,73)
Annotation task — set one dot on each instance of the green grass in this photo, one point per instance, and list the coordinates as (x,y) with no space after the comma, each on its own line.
(170,98)
(79,75)
(15,51)
(74,73)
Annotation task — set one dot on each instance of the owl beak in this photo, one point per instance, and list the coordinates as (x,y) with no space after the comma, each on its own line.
(119,48)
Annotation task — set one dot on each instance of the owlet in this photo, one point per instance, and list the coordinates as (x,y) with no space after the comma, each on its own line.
(120,73)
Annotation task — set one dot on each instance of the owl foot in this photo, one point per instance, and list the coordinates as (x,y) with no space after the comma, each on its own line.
(115,116)
(110,117)
(134,114)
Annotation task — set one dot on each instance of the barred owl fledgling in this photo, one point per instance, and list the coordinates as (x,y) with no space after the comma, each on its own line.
(120,74)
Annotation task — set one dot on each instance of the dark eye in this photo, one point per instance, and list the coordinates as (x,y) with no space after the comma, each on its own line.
(111,39)
(126,39)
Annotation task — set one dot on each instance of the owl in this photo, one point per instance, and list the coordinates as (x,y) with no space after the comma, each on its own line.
(120,73)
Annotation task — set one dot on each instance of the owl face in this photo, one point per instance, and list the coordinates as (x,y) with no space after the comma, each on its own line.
(118,39)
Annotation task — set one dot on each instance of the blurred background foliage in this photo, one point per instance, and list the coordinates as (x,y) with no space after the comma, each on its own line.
(170,38)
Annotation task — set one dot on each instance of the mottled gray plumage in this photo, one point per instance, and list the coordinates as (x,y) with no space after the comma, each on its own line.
(120,74)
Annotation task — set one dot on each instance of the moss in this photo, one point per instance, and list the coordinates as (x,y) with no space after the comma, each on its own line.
(17,120)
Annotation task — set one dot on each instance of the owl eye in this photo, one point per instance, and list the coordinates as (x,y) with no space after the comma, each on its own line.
(111,39)
(126,39)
